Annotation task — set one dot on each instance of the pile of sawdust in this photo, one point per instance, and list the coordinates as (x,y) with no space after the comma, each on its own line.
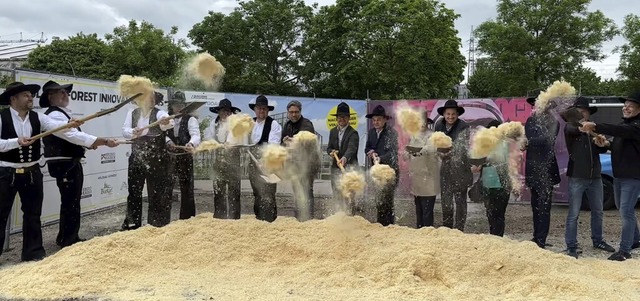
(512,129)
(556,95)
(352,184)
(339,258)
(206,69)
(382,174)
(440,140)
(240,125)
(273,157)
(207,146)
(484,141)
(410,119)
(131,85)
(304,137)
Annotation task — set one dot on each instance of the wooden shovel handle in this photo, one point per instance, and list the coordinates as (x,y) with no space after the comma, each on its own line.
(335,155)
(150,125)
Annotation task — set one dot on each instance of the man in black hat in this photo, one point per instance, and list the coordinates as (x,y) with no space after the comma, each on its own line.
(185,133)
(625,151)
(382,142)
(306,162)
(64,161)
(148,162)
(19,156)
(265,130)
(344,141)
(541,169)
(455,173)
(583,171)
(226,166)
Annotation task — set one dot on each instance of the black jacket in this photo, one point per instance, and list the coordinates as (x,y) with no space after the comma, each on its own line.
(348,146)
(584,155)
(625,148)
(455,171)
(386,146)
(541,166)
(292,128)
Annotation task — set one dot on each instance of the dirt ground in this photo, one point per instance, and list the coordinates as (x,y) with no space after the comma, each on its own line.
(518,223)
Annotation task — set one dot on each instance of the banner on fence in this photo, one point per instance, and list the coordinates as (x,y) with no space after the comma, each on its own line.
(105,169)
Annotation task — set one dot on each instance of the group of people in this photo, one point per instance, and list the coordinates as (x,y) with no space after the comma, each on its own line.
(162,152)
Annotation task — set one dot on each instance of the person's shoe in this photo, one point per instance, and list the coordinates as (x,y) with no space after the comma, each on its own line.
(635,245)
(620,256)
(604,246)
(573,252)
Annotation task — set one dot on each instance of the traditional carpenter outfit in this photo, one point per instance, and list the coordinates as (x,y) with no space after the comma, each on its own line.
(307,164)
(148,161)
(265,131)
(384,143)
(64,163)
(455,172)
(424,171)
(185,132)
(226,166)
(19,169)
(346,141)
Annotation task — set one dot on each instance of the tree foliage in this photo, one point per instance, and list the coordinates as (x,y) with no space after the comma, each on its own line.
(630,51)
(535,42)
(393,49)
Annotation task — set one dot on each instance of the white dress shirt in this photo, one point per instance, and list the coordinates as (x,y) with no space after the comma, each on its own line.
(274,136)
(194,130)
(220,132)
(58,116)
(127,129)
(23,129)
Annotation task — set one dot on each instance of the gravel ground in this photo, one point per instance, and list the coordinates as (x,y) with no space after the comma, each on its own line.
(518,224)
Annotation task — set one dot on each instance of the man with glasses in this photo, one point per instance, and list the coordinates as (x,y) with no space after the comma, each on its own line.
(307,162)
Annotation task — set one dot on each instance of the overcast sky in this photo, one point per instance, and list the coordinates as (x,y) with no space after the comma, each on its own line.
(63,18)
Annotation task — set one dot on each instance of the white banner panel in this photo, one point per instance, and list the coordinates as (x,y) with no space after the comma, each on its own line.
(105,169)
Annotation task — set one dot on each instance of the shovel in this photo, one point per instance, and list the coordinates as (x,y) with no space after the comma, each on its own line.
(270,178)
(92,116)
(351,203)
(335,155)
(186,110)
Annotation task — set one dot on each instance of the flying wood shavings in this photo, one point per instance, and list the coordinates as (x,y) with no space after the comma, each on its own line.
(130,85)
(440,140)
(207,146)
(485,141)
(207,69)
(338,258)
(559,92)
(240,125)
(352,184)
(410,119)
(273,157)
(512,129)
(382,174)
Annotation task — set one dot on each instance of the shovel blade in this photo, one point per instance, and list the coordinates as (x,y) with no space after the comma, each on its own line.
(270,178)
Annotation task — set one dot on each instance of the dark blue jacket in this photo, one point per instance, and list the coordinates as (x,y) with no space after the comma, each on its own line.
(541,168)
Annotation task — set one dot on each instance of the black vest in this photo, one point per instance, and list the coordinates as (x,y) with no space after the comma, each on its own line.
(154,141)
(183,132)
(265,131)
(22,154)
(58,147)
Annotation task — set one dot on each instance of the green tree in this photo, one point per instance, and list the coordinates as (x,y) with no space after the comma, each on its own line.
(393,49)
(630,51)
(84,55)
(259,44)
(535,42)
(144,50)
(485,81)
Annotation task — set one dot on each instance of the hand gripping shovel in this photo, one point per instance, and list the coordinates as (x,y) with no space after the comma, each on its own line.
(186,110)
(92,116)
(270,178)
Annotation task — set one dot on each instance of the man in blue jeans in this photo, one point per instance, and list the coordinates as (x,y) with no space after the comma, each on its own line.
(625,151)
(584,176)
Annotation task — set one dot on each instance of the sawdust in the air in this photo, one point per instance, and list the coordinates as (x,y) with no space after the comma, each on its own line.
(206,69)
(207,146)
(559,94)
(240,125)
(131,85)
(512,129)
(440,140)
(409,118)
(352,184)
(339,258)
(484,141)
(273,157)
(382,174)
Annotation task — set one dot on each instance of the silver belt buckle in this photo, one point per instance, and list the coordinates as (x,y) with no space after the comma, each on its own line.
(19,170)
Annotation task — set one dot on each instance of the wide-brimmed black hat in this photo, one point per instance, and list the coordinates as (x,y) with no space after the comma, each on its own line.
(451,104)
(178,98)
(378,111)
(531,98)
(15,88)
(342,110)
(224,104)
(261,100)
(51,85)
(583,103)
(635,97)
